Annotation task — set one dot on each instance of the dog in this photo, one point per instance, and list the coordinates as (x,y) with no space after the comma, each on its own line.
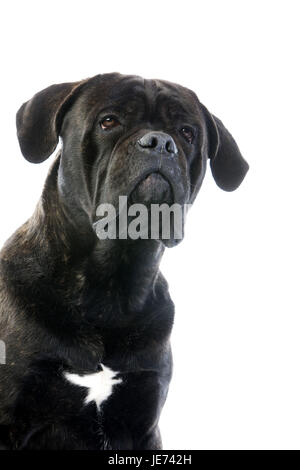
(86,322)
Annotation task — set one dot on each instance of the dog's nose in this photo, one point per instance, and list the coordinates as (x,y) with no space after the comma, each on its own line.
(158,142)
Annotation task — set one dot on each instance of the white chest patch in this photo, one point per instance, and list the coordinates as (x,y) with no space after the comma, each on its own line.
(99,384)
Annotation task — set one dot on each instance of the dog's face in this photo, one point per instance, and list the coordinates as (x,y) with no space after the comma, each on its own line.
(148,140)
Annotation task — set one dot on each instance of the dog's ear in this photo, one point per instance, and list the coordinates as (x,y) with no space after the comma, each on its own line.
(39,120)
(227,164)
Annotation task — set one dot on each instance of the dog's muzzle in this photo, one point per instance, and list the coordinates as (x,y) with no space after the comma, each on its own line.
(154,189)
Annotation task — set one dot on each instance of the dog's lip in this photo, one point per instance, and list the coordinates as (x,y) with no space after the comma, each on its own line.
(145,176)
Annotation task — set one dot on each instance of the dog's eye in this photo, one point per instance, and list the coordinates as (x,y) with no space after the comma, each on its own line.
(109,122)
(187,133)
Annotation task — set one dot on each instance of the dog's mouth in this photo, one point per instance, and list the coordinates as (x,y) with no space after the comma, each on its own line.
(153,189)
(150,212)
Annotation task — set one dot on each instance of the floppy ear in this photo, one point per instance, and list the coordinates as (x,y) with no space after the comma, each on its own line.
(227,164)
(39,120)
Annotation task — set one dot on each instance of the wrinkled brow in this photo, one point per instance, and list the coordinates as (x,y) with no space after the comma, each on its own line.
(174,109)
(127,100)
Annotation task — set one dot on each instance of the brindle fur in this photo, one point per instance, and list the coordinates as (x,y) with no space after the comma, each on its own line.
(69,301)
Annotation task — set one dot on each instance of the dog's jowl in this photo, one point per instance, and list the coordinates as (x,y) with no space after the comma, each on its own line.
(86,321)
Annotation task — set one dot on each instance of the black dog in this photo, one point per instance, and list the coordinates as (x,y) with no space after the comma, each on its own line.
(87,322)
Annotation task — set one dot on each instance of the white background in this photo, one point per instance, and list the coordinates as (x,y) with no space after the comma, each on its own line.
(234,279)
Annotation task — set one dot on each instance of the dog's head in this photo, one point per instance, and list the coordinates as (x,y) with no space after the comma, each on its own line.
(148,140)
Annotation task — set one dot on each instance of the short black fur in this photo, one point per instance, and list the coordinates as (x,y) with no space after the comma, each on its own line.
(69,301)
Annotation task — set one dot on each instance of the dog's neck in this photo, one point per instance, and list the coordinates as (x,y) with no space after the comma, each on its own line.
(128,269)
(100,292)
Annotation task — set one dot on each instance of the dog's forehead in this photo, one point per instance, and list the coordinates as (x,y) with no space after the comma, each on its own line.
(118,90)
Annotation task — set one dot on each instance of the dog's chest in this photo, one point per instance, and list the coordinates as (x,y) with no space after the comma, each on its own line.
(115,393)
(99,386)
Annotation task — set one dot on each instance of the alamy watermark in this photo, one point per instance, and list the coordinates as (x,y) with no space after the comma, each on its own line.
(2,352)
(134,221)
